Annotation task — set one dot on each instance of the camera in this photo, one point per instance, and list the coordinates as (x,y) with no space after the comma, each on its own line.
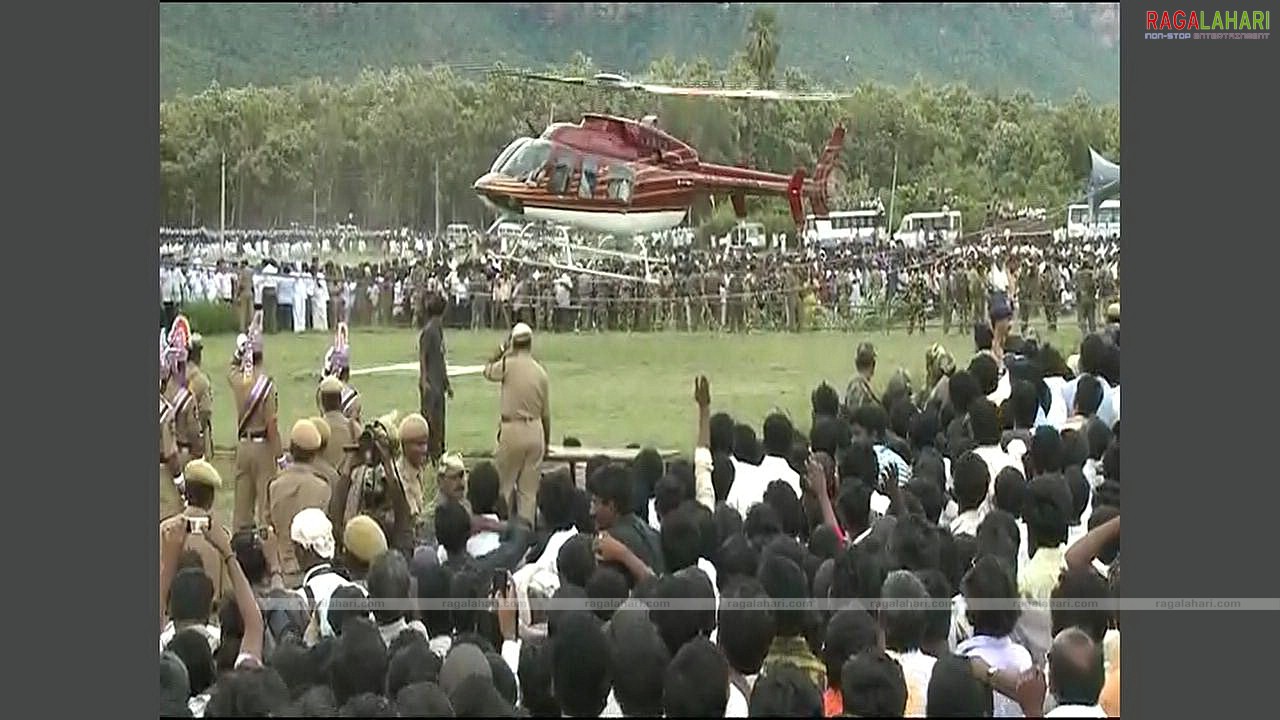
(197,525)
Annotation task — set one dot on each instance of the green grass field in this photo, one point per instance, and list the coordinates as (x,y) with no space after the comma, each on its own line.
(606,389)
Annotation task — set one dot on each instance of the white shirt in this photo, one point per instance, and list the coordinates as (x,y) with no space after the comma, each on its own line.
(1077,711)
(748,487)
(775,468)
(392,631)
(1057,414)
(996,460)
(967,522)
(1002,654)
(917,669)
(284,289)
(483,543)
(269,277)
(211,632)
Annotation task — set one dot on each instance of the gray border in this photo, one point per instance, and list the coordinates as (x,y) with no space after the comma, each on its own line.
(84,176)
(1197,128)
(1198,118)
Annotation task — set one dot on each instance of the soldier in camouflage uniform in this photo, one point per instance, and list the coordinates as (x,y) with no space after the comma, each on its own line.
(959,292)
(1028,291)
(915,301)
(603,301)
(749,300)
(626,306)
(734,304)
(977,294)
(1086,298)
(945,297)
(1051,294)
(688,289)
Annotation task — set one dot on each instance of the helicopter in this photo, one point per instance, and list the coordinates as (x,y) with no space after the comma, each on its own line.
(620,176)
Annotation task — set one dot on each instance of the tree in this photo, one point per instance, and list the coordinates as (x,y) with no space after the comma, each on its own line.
(762,45)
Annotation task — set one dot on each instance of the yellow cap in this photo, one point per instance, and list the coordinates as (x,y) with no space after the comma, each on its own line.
(452,463)
(364,539)
(201,472)
(521,332)
(305,436)
(413,428)
(330,384)
(323,426)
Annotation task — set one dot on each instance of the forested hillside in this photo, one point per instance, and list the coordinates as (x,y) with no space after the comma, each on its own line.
(1050,50)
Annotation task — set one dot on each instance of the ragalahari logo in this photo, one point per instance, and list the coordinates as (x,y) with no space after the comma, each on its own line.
(1203,25)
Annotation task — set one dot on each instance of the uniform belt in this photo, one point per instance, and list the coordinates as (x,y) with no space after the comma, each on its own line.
(516,418)
(255,436)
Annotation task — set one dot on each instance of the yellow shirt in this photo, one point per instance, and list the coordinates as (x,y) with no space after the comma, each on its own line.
(1040,576)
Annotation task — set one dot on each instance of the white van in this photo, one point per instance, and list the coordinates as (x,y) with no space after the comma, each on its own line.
(919,229)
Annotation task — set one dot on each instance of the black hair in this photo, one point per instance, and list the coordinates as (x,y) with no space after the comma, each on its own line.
(1088,395)
(872,685)
(990,579)
(1093,348)
(963,389)
(777,434)
(925,426)
(388,579)
(1098,436)
(937,625)
(930,466)
(677,626)
(1047,451)
(248,692)
(782,498)
(983,336)
(746,448)
(736,556)
(555,498)
(708,537)
(469,585)
(971,481)
(984,422)
(1011,491)
(722,475)
(785,691)
(476,696)
(1111,462)
(1024,402)
(913,544)
(453,527)
(612,485)
(576,561)
(315,701)
(1076,668)
(1047,511)
(199,495)
(504,681)
(865,358)
(636,646)
(433,583)
(607,588)
(853,505)
(744,633)
(667,496)
(860,462)
(359,663)
(823,542)
(872,418)
(482,488)
(830,435)
(534,671)
(582,671)
(784,580)
(904,627)
(1107,494)
(192,647)
(424,699)
(594,463)
(852,630)
(646,471)
(1080,490)
(1100,515)
(985,372)
(930,496)
(696,683)
(955,692)
(762,524)
(413,663)
(190,596)
(367,705)
(680,540)
(859,572)
(721,426)
(824,401)
(1082,583)
(728,522)
(998,535)
(247,546)
(583,519)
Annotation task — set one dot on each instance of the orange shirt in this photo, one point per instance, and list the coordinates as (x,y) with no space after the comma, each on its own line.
(832,703)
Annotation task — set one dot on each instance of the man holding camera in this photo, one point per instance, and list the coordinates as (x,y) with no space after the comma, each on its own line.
(201,483)
(296,488)
(525,431)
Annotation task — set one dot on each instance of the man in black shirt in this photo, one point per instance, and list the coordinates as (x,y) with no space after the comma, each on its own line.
(433,376)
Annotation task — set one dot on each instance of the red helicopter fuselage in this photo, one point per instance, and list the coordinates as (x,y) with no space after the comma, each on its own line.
(623,177)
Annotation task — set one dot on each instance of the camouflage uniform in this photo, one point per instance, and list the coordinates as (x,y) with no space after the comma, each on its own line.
(1052,296)
(945,298)
(1028,291)
(977,296)
(1086,299)
(916,303)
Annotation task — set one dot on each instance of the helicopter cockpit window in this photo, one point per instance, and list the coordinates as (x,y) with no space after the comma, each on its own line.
(527,159)
(587,183)
(561,174)
(620,183)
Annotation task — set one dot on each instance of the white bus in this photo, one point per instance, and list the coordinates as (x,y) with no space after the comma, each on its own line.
(844,227)
(1106,221)
(919,229)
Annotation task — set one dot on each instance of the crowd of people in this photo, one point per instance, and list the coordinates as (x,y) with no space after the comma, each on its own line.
(672,288)
(940,549)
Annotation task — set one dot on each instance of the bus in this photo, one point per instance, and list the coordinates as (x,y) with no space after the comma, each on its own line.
(922,228)
(1106,221)
(844,227)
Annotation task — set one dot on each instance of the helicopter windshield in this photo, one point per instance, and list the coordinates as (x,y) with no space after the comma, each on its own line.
(528,157)
(508,151)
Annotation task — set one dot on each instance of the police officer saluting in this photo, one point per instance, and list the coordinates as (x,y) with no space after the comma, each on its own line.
(525,431)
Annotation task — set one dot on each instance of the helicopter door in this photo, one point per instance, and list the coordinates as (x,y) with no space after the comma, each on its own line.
(621,181)
(587,183)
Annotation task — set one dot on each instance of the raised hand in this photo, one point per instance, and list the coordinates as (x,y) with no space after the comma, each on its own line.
(702,391)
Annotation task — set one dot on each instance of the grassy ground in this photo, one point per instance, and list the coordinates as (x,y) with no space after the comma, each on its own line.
(606,389)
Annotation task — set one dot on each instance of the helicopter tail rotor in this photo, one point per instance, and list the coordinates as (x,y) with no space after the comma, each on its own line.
(821,174)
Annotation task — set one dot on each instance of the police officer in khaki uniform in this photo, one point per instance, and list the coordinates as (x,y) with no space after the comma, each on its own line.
(343,431)
(296,488)
(258,437)
(202,389)
(170,500)
(415,469)
(526,420)
(325,469)
(201,484)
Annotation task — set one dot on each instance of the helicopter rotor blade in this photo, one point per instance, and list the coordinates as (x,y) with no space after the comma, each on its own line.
(610,81)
